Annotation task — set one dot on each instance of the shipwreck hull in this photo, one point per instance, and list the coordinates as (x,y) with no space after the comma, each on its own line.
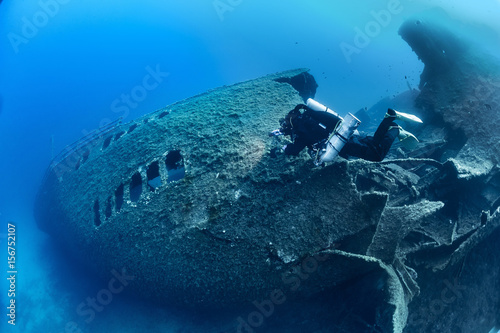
(189,200)
(195,202)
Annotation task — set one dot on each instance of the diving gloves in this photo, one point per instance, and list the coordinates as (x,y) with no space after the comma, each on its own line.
(276,132)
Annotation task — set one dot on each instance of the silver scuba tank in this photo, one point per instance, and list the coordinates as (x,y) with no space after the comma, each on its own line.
(316,106)
(338,139)
(340,135)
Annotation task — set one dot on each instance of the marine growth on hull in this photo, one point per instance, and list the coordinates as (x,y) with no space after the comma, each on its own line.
(197,204)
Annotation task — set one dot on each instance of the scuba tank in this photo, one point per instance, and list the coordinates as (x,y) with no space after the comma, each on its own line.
(316,106)
(338,138)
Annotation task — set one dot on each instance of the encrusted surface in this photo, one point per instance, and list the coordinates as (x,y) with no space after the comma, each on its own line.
(244,222)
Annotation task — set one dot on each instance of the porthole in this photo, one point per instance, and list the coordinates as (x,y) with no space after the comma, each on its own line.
(107,142)
(175,166)
(153,174)
(136,187)
(119,135)
(133,127)
(163,114)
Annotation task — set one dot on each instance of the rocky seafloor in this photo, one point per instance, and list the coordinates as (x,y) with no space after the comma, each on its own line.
(190,202)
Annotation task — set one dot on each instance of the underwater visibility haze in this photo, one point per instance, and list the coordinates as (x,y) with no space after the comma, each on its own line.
(143,192)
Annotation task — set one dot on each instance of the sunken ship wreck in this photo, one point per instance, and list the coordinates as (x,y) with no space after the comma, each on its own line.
(191,202)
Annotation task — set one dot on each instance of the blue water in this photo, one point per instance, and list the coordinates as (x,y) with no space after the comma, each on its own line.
(67,67)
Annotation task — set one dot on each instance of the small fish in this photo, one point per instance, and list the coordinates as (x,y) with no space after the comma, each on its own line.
(487,106)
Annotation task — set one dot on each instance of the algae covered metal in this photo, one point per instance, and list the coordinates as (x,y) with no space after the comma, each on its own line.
(193,202)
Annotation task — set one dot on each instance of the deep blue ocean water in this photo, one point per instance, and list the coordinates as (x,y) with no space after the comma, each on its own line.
(68,67)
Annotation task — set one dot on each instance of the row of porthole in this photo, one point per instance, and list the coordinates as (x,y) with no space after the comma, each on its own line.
(174,165)
(83,153)
(107,141)
(118,135)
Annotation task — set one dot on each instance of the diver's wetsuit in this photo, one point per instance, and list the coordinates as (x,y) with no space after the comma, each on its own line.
(311,127)
(308,128)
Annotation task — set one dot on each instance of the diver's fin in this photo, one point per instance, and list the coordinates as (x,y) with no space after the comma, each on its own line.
(408,140)
(403,116)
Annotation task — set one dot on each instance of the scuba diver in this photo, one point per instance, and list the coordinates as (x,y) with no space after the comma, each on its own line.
(328,135)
